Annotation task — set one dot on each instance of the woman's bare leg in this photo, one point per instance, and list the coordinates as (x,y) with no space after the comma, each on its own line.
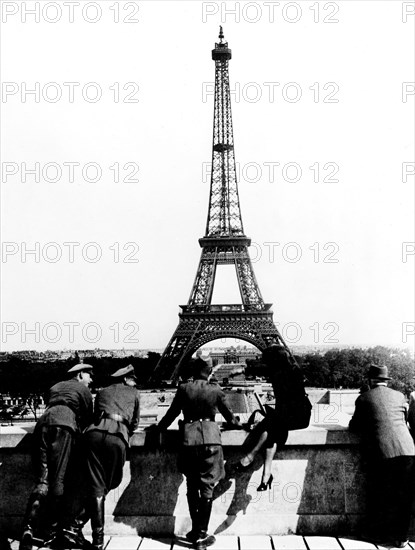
(269,457)
(249,457)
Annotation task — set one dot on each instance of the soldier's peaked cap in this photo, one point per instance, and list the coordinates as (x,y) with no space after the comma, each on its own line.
(80,367)
(125,371)
(201,367)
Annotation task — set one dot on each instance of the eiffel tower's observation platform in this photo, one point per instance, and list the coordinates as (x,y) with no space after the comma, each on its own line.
(220,308)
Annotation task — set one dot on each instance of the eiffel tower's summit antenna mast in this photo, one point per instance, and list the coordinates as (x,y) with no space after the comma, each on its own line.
(224,216)
(224,243)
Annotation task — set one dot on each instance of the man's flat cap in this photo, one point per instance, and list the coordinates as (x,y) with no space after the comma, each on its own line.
(125,371)
(80,367)
(378,372)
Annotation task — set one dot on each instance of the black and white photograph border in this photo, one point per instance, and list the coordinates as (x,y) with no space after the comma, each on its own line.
(106,150)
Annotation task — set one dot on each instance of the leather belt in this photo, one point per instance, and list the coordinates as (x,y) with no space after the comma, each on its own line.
(117,417)
(199,420)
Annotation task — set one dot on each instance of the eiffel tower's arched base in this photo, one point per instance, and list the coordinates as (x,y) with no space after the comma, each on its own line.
(196,329)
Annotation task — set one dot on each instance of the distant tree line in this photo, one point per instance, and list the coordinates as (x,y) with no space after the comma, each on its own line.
(336,368)
(29,380)
(347,368)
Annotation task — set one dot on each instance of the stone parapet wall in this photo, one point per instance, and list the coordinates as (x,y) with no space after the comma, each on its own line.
(319,486)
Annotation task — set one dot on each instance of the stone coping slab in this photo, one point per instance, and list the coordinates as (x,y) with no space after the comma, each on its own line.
(316,434)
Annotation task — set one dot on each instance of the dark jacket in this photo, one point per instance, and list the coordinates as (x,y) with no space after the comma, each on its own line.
(199,401)
(118,399)
(288,386)
(411,413)
(69,404)
(380,417)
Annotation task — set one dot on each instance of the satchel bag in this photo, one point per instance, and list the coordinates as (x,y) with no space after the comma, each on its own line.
(295,406)
(299,413)
(297,417)
(296,413)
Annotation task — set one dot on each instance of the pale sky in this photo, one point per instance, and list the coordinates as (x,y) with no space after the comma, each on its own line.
(126,101)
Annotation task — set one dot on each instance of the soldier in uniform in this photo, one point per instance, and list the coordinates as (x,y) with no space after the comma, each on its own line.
(201,456)
(117,414)
(69,411)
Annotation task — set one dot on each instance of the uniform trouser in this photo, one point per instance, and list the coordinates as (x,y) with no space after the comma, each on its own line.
(75,488)
(391,486)
(53,446)
(51,459)
(203,467)
(105,457)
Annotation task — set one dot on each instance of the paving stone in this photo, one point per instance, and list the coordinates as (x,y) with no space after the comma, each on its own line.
(322,543)
(246,542)
(259,542)
(353,544)
(224,542)
(156,544)
(289,542)
(124,543)
(107,539)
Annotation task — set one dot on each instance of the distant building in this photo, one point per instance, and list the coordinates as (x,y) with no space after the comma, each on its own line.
(233,355)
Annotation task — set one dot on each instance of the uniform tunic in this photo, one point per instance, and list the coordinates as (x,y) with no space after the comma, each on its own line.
(107,439)
(201,456)
(69,411)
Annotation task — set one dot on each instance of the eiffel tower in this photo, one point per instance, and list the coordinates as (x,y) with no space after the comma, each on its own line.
(224,243)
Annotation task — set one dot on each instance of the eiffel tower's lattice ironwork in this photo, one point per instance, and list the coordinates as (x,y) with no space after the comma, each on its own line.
(224,243)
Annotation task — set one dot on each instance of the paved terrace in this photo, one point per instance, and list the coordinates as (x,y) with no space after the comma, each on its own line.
(288,542)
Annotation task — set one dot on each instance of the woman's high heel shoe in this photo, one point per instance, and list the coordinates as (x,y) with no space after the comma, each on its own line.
(264,486)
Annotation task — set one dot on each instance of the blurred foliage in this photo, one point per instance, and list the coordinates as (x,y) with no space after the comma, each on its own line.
(347,368)
(30,380)
(335,368)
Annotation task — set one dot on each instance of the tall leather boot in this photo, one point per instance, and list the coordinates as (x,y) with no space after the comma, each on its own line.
(30,521)
(203,539)
(72,536)
(97,510)
(193,502)
(53,522)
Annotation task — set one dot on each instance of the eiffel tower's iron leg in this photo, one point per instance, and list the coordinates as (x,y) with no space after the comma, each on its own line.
(178,350)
